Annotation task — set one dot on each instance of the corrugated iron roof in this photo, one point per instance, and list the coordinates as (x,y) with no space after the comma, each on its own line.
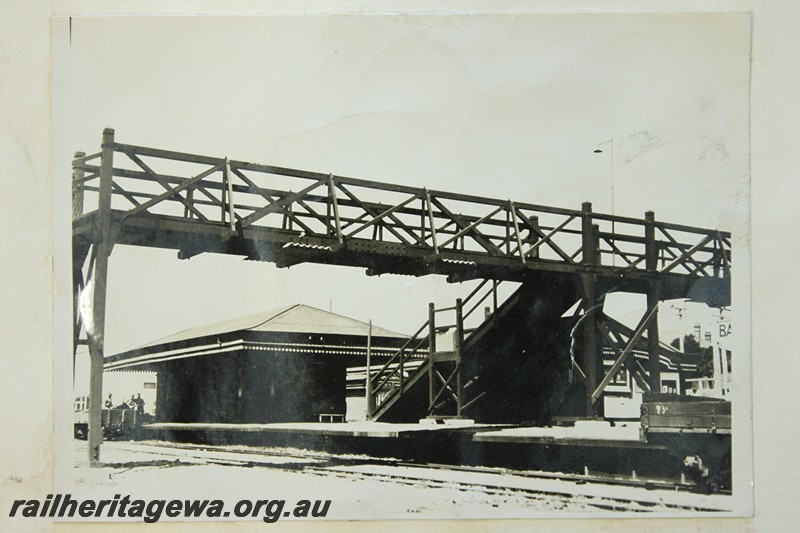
(298,318)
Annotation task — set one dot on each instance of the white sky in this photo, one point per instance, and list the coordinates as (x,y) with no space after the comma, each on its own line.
(503,106)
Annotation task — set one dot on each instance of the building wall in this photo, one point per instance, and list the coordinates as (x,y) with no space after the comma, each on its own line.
(251,387)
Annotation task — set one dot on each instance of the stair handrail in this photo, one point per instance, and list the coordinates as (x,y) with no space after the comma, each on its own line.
(394,366)
(492,291)
(379,381)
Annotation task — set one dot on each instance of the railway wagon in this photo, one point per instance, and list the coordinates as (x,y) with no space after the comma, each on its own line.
(116,424)
(696,429)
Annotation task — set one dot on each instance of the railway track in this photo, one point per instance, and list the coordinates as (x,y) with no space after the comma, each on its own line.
(595,490)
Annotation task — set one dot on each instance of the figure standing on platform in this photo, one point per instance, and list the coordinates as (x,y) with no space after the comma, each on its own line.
(139,402)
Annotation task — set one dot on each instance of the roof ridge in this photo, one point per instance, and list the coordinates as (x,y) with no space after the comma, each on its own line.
(351,319)
(340,315)
(273,317)
(158,341)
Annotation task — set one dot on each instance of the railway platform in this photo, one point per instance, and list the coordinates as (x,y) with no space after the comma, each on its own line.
(586,448)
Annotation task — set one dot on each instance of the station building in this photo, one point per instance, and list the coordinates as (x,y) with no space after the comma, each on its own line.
(285,365)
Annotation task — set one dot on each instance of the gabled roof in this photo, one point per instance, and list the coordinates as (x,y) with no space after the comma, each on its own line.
(297,318)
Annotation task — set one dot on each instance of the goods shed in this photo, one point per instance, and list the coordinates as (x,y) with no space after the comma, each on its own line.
(285,365)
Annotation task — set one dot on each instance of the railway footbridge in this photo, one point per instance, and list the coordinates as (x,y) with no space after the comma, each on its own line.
(140,196)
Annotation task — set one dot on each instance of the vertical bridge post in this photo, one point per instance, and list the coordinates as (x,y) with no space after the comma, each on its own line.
(458,342)
(227,176)
(653,297)
(78,258)
(431,352)
(590,356)
(368,383)
(77,187)
(95,324)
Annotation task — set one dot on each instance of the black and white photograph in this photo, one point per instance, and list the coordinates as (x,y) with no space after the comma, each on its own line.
(401,266)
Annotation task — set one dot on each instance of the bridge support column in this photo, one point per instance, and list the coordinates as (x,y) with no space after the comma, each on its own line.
(368,381)
(592,354)
(79,254)
(458,342)
(96,280)
(431,351)
(653,297)
(445,370)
